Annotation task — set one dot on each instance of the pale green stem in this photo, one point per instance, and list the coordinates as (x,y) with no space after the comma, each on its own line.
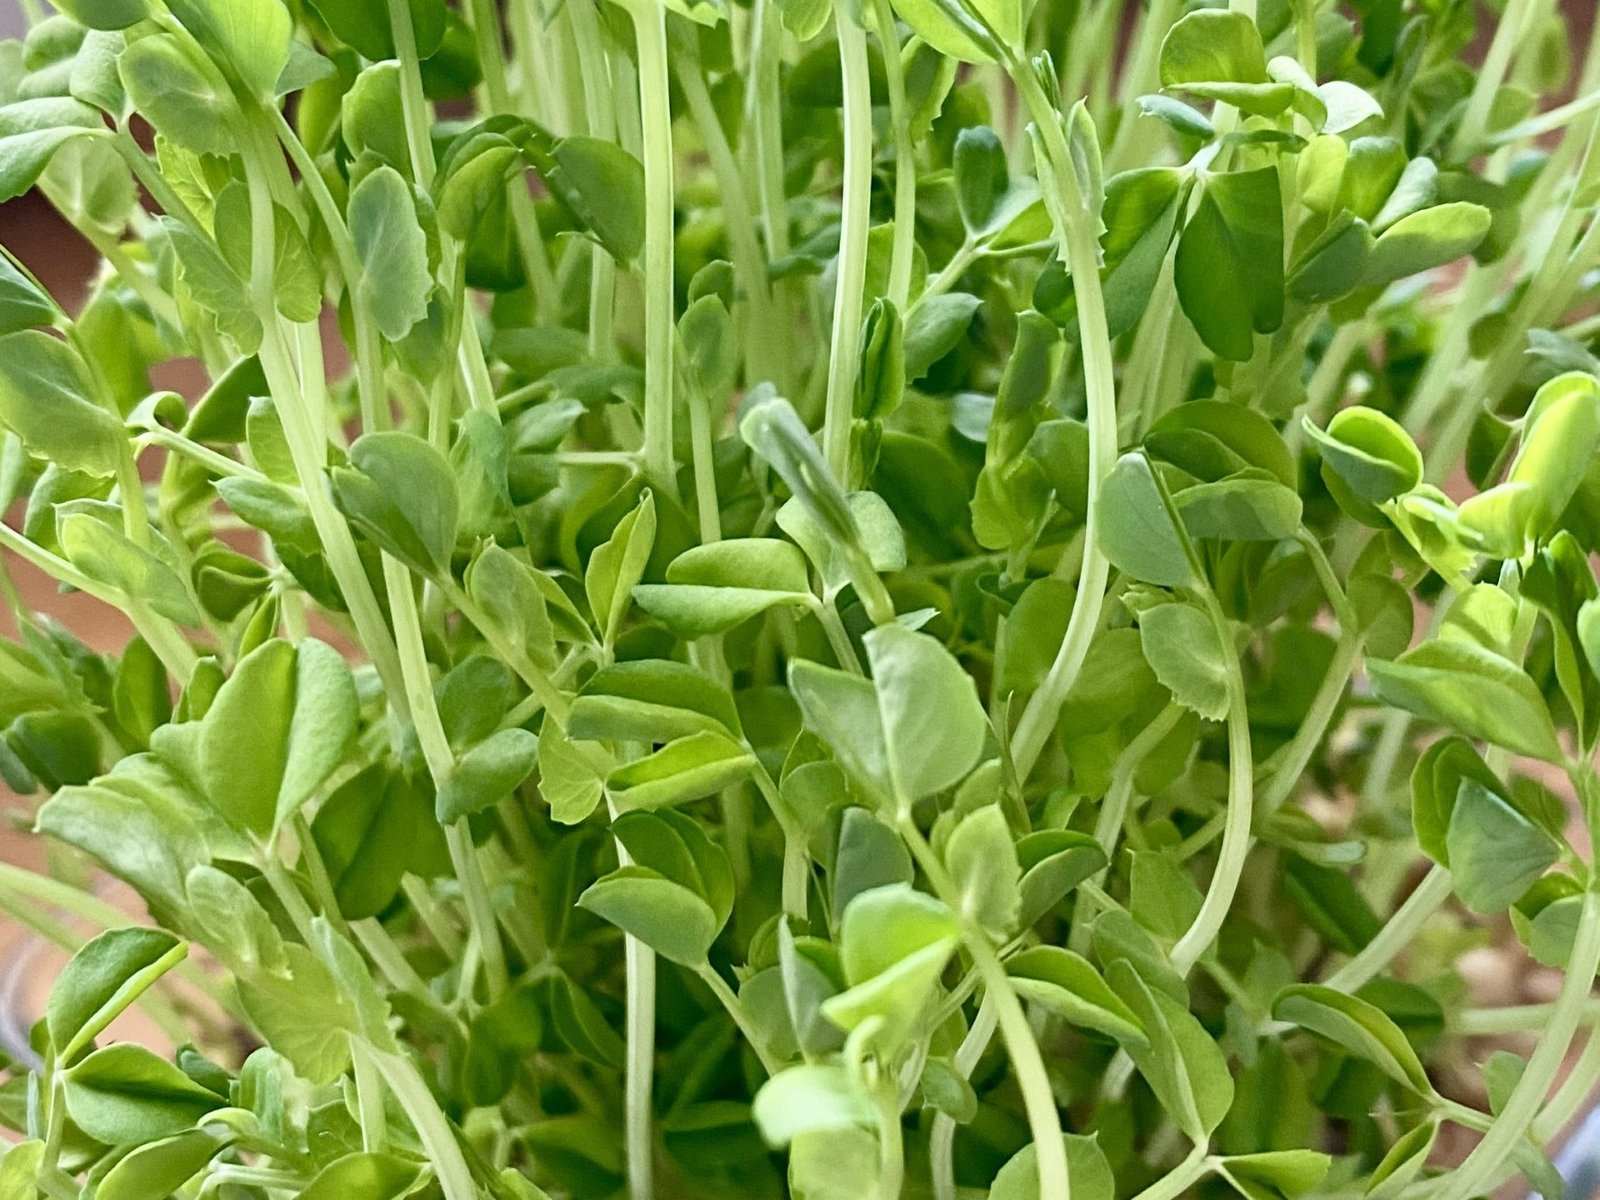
(891,1144)
(905,160)
(764,117)
(730,1003)
(433,1128)
(602,122)
(1038,1098)
(1516,1018)
(1180,1179)
(844,354)
(1518,1111)
(524,220)
(650,35)
(1408,920)
(369,1105)
(1139,78)
(417,113)
(1241,787)
(764,337)
(1508,33)
(639,962)
(212,460)
(1077,229)
(942,1138)
(1114,813)
(435,745)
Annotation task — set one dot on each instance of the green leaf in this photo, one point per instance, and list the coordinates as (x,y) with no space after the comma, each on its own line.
(676,847)
(603,186)
(978,165)
(1181,644)
(934,327)
(45,400)
(881,384)
(304,1013)
(569,782)
(1369,453)
(370,1176)
(249,38)
(688,768)
(712,588)
(1215,439)
(400,492)
(281,724)
(99,548)
(486,774)
(106,14)
(507,591)
(1471,690)
(617,567)
(1088,1172)
(1495,853)
(1178,115)
(1357,1025)
(157,1169)
(1054,861)
(651,701)
(869,855)
(1425,240)
(170,92)
(950,29)
(23,303)
(894,944)
(1213,46)
(1184,1067)
(124,1094)
(395,282)
(811,1098)
(101,980)
(933,724)
(1229,268)
(1286,1173)
(26,148)
(1066,985)
(1139,532)
(667,917)
(1250,506)
(364,26)
(982,860)
(1404,1161)
(372,830)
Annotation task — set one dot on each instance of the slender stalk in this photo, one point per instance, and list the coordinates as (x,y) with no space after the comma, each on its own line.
(1114,813)
(432,1127)
(650,36)
(730,1003)
(1519,1110)
(764,338)
(1038,1098)
(1508,34)
(942,1138)
(844,354)
(891,1144)
(905,160)
(440,758)
(640,964)
(1180,1179)
(1397,933)
(1077,230)
(1236,839)
(601,116)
